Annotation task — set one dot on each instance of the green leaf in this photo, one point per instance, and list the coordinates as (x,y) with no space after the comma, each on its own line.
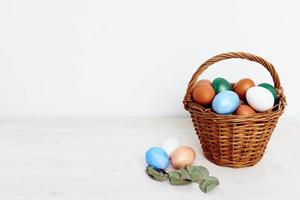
(184,174)
(212,180)
(175,179)
(158,175)
(210,187)
(174,175)
(197,173)
(209,184)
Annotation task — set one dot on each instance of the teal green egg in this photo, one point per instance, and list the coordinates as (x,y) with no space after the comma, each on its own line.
(270,88)
(221,85)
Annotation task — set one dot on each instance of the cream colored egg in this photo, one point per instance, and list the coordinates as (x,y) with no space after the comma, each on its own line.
(170,145)
(259,98)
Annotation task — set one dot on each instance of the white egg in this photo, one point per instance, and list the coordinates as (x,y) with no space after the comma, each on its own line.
(259,98)
(170,145)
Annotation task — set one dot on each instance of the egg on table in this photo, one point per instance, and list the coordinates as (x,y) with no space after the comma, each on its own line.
(259,98)
(203,94)
(242,86)
(183,156)
(170,145)
(245,110)
(225,102)
(221,85)
(157,158)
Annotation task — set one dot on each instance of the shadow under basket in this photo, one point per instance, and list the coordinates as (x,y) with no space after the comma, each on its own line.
(234,140)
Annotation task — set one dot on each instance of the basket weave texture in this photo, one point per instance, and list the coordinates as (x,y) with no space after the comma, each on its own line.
(234,140)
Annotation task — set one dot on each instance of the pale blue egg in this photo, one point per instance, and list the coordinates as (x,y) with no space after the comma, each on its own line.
(157,158)
(225,102)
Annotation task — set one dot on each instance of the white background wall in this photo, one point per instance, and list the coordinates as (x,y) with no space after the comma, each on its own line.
(90,58)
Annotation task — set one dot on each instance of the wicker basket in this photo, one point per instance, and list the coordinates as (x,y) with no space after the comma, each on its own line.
(234,140)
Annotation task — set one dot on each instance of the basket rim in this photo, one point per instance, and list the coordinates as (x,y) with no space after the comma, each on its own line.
(277,109)
(241,55)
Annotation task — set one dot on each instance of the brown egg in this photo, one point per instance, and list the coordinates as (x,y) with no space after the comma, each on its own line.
(245,110)
(203,94)
(182,157)
(242,86)
(203,81)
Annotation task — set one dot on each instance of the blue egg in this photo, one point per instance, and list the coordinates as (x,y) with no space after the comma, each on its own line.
(157,158)
(225,102)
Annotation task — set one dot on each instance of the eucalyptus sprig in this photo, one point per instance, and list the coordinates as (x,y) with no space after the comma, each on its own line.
(184,176)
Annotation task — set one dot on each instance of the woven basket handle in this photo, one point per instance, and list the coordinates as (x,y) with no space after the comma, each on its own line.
(225,56)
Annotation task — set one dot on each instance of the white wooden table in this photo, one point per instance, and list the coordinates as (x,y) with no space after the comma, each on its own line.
(104,159)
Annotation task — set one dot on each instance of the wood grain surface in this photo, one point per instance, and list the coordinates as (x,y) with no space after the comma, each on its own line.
(87,159)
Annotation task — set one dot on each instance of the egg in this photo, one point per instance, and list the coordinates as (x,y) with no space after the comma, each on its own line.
(244,110)
(270,88)
(259,98)
(183,156)
(157,158)
(242,86)
(225,102)
(221,85)
(203,94)
(203,81)
(170,145)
